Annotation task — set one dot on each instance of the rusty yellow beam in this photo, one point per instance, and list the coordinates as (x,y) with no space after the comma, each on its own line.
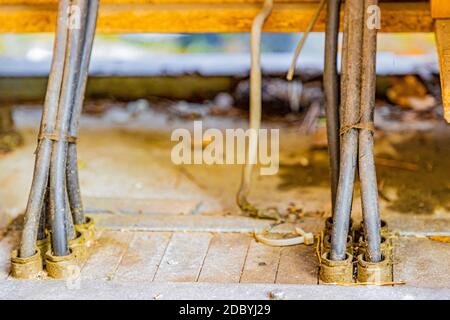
(33,2)
(129,16)
(440,9)
(441,12)
(443,44)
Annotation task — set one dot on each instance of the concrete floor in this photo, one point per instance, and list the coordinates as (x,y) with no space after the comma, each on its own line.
(145,205)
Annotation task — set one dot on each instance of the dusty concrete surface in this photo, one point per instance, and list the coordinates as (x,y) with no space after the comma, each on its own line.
(125,165)
(204,291)
(151,212)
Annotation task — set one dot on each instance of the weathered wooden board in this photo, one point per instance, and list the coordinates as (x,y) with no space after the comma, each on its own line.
(123,2)
(184,257)
(417,225)
(443,44)
(106,255)
(122,16)
(440,9)
(298,265)
(141,206)
(197,223)
(421,262)
(142,259)
(225,259)
(261,265)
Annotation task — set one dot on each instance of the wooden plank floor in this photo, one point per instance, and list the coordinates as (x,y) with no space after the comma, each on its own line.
(188,257)
(197,257)
(193,256)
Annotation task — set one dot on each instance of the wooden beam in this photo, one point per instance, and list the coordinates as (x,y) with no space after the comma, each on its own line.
(132,16)
(440,9)
(443,44)
(260,2)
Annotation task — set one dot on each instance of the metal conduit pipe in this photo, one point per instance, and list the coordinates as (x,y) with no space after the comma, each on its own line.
(331,91)
(62,224)
(43,151)
(301,43)
(344,66)
(367,172)
(349,142)
(73,184)
(41,227)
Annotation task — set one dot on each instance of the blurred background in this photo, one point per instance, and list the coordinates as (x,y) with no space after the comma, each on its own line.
(206,54)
